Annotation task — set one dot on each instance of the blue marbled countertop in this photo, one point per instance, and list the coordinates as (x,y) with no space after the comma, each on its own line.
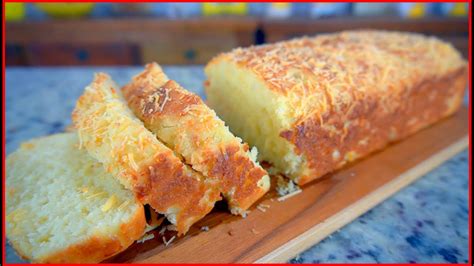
(425,222)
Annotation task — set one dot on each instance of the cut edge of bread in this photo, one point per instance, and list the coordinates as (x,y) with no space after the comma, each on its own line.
(50,183)
(266,113)
(95,248)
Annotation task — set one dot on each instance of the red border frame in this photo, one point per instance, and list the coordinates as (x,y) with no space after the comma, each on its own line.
(470,135)
(4,103)
(3,137)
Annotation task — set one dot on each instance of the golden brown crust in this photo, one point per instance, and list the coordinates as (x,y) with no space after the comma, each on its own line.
(181,120)
(349,59)
(370,127)
(139,160)
(348,94)
(237,173)
(170,185)
(162,100)
(100,247)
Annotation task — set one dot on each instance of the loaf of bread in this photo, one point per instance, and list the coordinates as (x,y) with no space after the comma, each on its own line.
(111,133)
(181,120)
(63,207)
(311,105)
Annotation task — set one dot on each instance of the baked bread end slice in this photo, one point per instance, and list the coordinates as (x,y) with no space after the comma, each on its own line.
(63,207)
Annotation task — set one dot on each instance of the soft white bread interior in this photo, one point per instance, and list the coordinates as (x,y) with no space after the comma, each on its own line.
(63,207)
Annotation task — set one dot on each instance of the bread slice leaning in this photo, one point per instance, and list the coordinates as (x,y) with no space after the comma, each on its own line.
(181,120)
(114,136)
(63,207)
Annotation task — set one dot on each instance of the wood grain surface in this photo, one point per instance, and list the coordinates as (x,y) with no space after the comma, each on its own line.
(288,227)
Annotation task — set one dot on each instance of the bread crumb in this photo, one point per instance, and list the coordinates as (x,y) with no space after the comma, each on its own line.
(148,228)
(146,237)
(245,213)
(263,207)
(285,186)
(205,228)
(289,195)
(169,241)
(231,232)
(162,230)
(253,154)
(255,232)
(171,227)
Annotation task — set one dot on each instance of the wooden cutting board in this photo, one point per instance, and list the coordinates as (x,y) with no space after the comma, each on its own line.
(289,227)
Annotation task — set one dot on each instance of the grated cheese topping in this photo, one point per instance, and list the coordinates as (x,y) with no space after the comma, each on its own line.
(109,203)
(315,75)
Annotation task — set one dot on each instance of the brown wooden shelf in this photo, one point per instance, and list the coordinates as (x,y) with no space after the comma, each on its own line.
(429,25)
(119,30)
(188,41)
(453,30)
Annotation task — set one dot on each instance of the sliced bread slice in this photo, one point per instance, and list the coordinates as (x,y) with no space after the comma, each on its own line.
(181,120)
(63,207)
(111,133)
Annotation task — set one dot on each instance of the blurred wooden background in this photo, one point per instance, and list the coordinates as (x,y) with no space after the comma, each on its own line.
(135,41)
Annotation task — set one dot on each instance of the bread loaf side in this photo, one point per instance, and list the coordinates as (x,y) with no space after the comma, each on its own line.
(311,105)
